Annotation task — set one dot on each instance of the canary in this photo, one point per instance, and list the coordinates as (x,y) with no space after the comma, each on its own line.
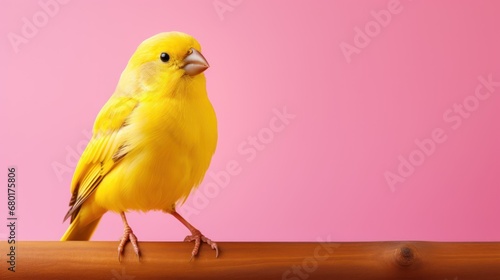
(152,141)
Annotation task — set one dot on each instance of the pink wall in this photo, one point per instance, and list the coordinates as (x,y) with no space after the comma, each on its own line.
(361,88)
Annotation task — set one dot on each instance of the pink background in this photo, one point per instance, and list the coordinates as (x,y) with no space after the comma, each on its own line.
(323,174)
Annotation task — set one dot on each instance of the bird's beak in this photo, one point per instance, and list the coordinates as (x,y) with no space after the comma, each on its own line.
(194,63)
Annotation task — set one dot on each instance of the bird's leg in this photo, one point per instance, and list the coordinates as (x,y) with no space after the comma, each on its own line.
(195,236)
(128,235)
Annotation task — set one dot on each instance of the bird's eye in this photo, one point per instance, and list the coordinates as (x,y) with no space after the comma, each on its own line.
(164,57)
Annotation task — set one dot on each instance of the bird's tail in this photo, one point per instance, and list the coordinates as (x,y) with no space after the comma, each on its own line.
(84,224)
(77,231)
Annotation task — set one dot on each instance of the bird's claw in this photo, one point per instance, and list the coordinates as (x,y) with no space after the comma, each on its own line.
(197,237)
(128,235)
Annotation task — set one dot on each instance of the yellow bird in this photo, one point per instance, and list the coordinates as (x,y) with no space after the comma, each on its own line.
(152,141)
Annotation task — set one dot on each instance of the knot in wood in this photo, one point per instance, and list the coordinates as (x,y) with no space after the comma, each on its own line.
(405,256)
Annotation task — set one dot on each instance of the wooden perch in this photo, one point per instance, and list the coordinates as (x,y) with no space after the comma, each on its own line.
(294,261)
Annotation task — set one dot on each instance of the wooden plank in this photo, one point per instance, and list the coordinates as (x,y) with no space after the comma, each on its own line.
(255,260)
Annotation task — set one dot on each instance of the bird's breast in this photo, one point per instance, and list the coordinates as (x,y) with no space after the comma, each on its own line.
(171,144)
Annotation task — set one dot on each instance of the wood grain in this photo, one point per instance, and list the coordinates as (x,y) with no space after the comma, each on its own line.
(259,260)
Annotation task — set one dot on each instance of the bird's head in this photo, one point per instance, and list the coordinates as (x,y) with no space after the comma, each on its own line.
(164,60)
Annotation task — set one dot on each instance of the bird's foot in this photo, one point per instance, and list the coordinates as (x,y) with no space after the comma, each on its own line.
(197,237)
(128,235)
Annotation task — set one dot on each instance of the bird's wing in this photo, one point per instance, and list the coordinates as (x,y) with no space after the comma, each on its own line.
(104,151)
